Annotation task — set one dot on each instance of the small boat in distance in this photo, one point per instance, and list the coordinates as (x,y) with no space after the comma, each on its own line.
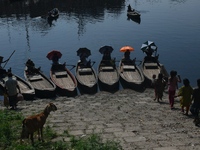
(132,13)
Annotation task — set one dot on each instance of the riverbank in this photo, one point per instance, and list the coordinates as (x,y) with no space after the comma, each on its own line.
(132,118)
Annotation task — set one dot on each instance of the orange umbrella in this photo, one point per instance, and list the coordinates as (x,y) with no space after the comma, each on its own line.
(126,48)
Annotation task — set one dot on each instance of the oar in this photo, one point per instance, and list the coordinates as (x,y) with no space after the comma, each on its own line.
(93,62)
(9,58)
(72,67)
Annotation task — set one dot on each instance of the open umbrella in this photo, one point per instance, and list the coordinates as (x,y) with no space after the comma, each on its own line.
(149,46)
(52,53)
(84,50)
(106,48)
(126,48)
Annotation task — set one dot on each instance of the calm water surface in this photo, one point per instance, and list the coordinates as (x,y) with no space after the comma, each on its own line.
(174,26)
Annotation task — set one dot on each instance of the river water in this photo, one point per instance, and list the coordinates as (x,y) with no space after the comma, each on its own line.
(173,25)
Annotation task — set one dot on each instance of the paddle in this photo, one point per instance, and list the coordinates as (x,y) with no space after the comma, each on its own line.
(93,62)
(72,67)
(9,58)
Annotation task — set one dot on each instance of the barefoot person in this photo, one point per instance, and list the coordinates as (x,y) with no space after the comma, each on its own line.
(159,87)
(172,86)
(185,92)
(11,87)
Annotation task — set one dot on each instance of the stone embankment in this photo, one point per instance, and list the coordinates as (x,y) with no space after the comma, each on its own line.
(132,118)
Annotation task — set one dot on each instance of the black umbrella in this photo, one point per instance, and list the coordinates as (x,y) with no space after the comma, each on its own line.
(84,50)
(106,48)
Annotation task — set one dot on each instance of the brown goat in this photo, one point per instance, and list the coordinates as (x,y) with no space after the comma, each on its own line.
(36,123)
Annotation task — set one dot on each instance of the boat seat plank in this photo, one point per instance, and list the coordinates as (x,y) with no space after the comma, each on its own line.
(151,66)
(35,78)
(107,69)
(128,68)
(85,71)
(61,74)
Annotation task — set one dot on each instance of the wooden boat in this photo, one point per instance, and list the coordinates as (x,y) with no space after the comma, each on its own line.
(87,78)
(26,88)
(135,19)
(131,75)
(150,68)
(44,87)
(133,14)
(64,80)
(108,77)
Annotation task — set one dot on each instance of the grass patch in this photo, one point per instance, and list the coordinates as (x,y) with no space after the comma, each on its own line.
(10,131)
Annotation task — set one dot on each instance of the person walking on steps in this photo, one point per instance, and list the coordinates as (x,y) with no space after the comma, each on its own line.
(172,86)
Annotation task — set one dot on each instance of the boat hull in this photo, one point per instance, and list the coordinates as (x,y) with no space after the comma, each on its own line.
(108,77)
(87,79)
(151,68)
(44,87)
(64,80)
(131,76)
(26,88)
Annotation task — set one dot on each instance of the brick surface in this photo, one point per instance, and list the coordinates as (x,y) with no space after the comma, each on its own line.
(131,117)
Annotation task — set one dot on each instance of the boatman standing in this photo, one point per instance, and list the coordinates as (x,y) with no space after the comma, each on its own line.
(2,71)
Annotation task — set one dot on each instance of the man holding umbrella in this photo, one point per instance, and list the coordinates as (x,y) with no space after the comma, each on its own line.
(149,48)
(83,53)
(150,57)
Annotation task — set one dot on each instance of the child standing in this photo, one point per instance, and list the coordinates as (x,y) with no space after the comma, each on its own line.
(185,92)
(172,86)
(159,87)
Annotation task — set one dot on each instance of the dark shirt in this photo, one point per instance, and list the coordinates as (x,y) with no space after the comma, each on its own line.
(196,97)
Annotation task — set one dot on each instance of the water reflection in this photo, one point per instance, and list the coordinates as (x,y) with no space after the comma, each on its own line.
(84,11)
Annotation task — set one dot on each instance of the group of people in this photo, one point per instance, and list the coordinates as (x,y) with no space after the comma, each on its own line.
(189,97)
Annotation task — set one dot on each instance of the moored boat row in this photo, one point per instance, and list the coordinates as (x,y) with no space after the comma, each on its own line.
(108,77)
